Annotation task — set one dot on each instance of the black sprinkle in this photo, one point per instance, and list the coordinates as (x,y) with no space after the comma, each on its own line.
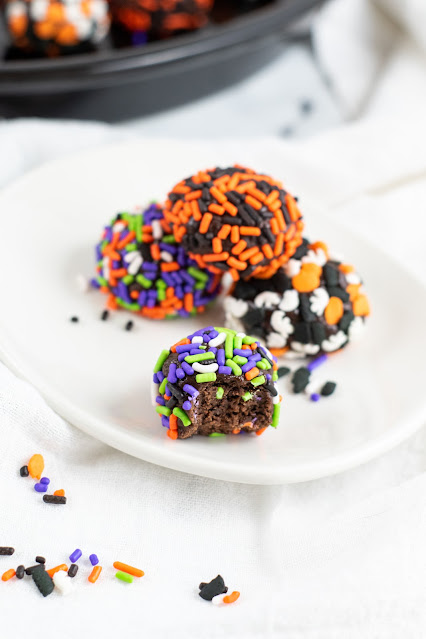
(254,317)
(302,333)
(336,291)
(328,389)
(282,371)
(20,572)
(6,550)
(210,590)
(105,315)
(30,569)
(318,333)
(43,581)
(305,308)
(180,396)
(24,472)
(301,250)
(40,560)
(74,319)
(54,499)
(306,106)
(73,570)
(172,402)
(129,325)
(346,321)
(300,379)
(331,275)
(271,388)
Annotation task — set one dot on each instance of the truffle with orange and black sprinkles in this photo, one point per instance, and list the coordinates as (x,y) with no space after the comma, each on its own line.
(314,304)
(142,269)
(216,382)
(54,27)
(233,219)
(158,18)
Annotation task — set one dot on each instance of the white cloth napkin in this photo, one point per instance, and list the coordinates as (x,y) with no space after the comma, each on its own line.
(343,557)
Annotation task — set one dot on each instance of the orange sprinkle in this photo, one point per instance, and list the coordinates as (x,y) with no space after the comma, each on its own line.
(234,274)
(170,291)
(361,306)
(167,267)
(250,230)
(173,422)
(245,347)
(267,251)
(180,343)
(254,372)
(216,257)
(155,252)
(279,351)
(292,207)
(111,303)
(272,197)
(134,295)
(346,268)
(274,226)
(235,235)
(234,263)
(129,569)
(220,197)
(278,214)
(248,425)
(319,245)
(94,575)
(59,493)
(246,255)
(334,311)
(217,245)
(234,595)
(230,208)
(253,202)
(256,258)
(53,571)
(128,238)
(36,466)
(239,247)
(188,302)
(261,430)
(353,290)
(193,196)
(224,232)
(205,222)
(195,209)
(279,244)
(275,206)
(8,574)
(257,194)
(307,279)
(216,208)
(236,431)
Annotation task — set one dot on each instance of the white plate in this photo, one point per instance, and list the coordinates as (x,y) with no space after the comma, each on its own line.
(97,375)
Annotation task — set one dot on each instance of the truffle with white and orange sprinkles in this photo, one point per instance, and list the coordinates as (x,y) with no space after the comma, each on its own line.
(314,304)
(234,219)
(142,269)
(216,382)
(54,27)
(161,18)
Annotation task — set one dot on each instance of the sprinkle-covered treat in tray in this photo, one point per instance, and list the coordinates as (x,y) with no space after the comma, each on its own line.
(216,382)
(235,220)
(142,269)
(161,18)
(313,304)
(55,27)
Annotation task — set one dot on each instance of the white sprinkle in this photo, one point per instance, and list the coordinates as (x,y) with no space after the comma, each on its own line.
(267,299)
(118,227)
(334,342)
(207,368)
(157,231)
(63,582)
(166,256)
(292,267)
(216,601)
(135,265)
(82,283)
(290,301)
(129,257)
(197,339)
(276,399)
(234,307)
(281,323)
(353,278)
(218,340)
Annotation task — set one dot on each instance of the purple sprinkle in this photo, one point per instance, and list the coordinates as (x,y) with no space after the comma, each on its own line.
(45,480)
(315,397)
(169,248)
(200,332)
(240,351)
(93,560)
(167,391)
(187,368)
(182,356)
(124,294)
(155,378)
(206,338)
(150,266)
(75,556)
(184,348)
(150,303)
(164,421)
(247,367)
(142,298)
(225,370)
(212,349)
(187,405)
(180,374)
(179,292)
(188,289)
(160,376)
(196,351)
(214,334)
(313,364)
(95,283)
(183,313)
(221,357)
(40,488)
(268,377)
(188,279)
(172,373)
(150,276)
(190,390)
(254,358)
(160,400)
(168,279)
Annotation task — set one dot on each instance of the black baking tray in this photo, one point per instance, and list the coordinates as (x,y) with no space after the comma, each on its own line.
(116,83)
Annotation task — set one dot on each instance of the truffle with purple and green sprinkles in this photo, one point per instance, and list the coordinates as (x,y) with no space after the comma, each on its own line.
(216,382)
(142,269)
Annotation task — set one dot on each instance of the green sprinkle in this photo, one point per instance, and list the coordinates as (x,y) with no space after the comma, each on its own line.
(123,576)
(102,281)
(274,376)
(235,368)
(276,415)
(163,410)
(222,329)
(261,365)
(239,359)
(205,377)
(266,365)
(128,279)
(162,386)
(217,435)
(143,281)
(199,275)
(137,227)
(180,413)
(219,393)
(199,286)
(131,247)
(247,396)
(160,283)
(257,381)
(238,341)
(199,358)
(202,346)
(160,361)
(129,307)
(168,239)
(248,340)
(161,294)
(129,219)
(229,346)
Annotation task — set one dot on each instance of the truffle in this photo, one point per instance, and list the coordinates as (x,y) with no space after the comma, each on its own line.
(313,304)
(161,19)
(216,382)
